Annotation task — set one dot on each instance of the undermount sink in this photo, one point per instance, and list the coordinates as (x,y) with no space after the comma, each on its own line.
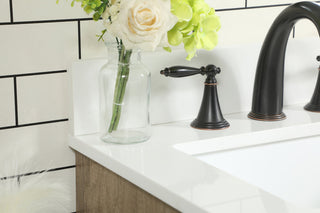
(289,170)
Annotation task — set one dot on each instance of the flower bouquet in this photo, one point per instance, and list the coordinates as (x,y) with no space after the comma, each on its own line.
(145,25)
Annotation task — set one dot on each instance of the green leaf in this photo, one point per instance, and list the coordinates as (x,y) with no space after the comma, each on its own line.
(188,28)
(168,49)
(209,40)
(100,37)
(190,56)
(197,28)
(101,10)
(88,9)
(181,9)
(200,6)
(210,23)
(96,16)
(174,37)
(181,25)
(190,45)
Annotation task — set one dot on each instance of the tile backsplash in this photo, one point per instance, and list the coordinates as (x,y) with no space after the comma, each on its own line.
(38,94)
(38,42)
(4,11)
(7,108)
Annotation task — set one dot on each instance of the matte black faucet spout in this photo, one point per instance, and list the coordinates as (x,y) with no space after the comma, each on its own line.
(267,102)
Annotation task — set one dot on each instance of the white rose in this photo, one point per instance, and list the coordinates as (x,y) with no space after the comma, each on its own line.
(143,24)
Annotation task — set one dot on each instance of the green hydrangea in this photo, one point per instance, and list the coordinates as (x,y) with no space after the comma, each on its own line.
(97,7)
(197,26)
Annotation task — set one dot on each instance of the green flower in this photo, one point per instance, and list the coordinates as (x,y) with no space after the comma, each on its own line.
(97,7)
(197,26)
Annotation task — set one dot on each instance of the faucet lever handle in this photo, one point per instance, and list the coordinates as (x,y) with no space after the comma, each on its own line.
(184,71)
(181,71)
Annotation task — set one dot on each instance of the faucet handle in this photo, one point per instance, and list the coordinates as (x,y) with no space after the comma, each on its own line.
(212,69)
(318,58)
(181,71)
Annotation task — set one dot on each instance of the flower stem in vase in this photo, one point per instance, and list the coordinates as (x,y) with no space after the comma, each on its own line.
(120,86)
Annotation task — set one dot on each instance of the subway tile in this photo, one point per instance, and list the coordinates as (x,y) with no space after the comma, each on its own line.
(34,148)
(4,11)
(246,26)
(42,98)
(90,47)
(223,4)
(252,3)
(46,10)
(63,180)
(269,2)
(305,28)
(37,47)
(7,107)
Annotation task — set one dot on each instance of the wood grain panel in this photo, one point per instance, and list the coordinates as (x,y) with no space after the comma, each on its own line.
(100,190)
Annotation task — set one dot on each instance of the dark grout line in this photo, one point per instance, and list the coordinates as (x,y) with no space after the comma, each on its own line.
(19,180)
(15,101)
(38,172)
(11,11)
(32,74)
(45,21)
(255,7)
(34,124)
(43,122)
(12,22)
(79,38)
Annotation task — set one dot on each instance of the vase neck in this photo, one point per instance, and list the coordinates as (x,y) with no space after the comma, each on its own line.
(122,55)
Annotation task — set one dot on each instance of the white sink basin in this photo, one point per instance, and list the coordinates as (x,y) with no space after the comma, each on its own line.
(289,170)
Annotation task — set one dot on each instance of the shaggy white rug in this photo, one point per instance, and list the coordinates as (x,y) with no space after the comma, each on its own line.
(34,193)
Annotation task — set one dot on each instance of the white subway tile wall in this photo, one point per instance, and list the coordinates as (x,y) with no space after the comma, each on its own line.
(42,98)
(7,107)
(305,28)
(4,11)
(37,47)
(269,2)
(46,10)
(38,42)
(89,45)
(223,4)
(236,27)
(35,148)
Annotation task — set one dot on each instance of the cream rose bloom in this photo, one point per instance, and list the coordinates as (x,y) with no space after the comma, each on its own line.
(142,24)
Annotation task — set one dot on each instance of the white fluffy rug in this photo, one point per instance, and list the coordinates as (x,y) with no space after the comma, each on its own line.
(35,193)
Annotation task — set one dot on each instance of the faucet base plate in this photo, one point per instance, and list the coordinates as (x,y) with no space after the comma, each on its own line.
(261,117)
(223,124)
(312,108)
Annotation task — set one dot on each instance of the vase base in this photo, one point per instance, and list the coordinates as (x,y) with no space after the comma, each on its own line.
(125,137)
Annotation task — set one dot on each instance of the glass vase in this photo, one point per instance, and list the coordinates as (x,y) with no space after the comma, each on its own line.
(124,97)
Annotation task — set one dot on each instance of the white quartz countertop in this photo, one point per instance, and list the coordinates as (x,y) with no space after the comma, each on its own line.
(165,166)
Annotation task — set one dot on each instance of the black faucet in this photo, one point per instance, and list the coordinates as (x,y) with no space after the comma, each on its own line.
(209,116)
(267,101)
(314,104)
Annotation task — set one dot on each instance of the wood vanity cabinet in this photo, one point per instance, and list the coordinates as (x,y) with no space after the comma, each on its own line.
(100,190)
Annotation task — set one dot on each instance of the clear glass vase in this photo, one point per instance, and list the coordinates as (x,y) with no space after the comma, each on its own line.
(124,97)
